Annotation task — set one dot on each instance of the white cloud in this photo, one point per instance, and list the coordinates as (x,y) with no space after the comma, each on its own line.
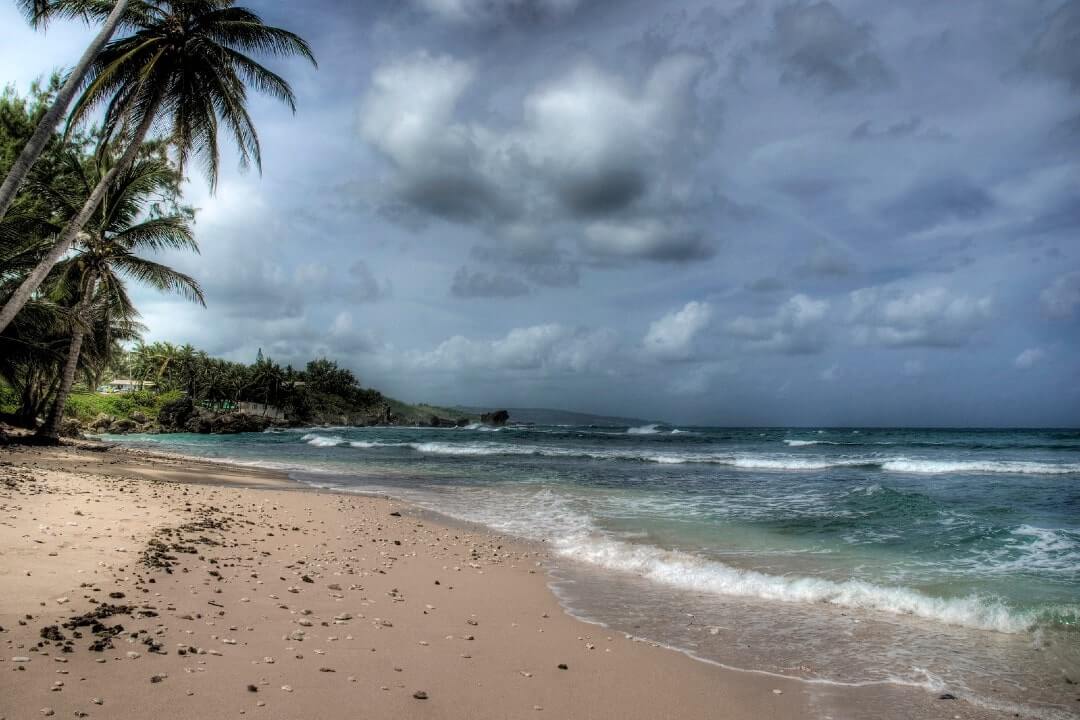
(672,336)
(933,317)
(487,11)
(797,326)
(550,347)
(1029,358)
(1061,298)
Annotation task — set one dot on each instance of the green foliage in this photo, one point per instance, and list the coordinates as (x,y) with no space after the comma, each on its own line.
(9,401)
(189,65)
(87,406)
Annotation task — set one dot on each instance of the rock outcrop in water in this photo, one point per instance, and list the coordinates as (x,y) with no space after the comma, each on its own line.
(497,418)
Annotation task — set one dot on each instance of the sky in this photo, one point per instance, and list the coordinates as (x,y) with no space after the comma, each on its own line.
(846,212)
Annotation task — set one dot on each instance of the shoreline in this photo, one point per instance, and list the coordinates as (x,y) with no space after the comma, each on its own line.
(617,667)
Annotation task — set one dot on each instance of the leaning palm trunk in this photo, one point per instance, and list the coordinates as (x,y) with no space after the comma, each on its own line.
(22,295)
(45,127)
(51,429)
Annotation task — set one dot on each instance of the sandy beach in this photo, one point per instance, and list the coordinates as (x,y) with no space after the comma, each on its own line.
(136,586)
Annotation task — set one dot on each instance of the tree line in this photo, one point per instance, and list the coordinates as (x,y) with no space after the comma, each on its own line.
(216,382)
(94,164)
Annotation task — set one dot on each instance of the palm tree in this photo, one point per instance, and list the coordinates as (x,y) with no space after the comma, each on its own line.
(185,61)
(106,252)
(39,12)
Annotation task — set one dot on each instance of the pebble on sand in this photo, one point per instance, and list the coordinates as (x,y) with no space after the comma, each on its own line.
(420,695)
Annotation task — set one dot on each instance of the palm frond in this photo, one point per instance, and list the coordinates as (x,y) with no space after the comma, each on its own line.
(160,276)
(171,232)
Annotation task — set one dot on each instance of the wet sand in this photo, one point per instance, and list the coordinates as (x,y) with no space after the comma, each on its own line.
(138,586)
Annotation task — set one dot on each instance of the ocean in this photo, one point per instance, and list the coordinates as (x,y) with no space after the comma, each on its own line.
(947,559)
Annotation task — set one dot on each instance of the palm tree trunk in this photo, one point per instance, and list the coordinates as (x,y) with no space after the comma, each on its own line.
(21,295)
(51,429)
(45,127)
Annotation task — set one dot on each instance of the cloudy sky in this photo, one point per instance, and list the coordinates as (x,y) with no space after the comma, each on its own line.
(761,212)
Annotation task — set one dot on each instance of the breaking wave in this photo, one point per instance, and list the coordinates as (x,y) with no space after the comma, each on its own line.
(549,516)
(777,463)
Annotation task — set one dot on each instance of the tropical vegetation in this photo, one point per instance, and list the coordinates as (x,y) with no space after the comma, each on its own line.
(88,209)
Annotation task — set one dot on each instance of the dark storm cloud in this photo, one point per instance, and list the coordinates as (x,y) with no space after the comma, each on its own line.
(913,127)
(602,192)
(362,286)
(476,284)
(1056,50)
(586,154)
(827,261)
(937,200)
(819,44)
(555,274)
(766,285)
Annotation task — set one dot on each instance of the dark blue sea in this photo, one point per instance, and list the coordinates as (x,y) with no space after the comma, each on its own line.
(948,559)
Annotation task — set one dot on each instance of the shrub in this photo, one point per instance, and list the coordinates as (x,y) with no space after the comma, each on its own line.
(87,406)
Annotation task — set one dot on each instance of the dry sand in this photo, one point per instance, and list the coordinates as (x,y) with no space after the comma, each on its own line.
(225,592)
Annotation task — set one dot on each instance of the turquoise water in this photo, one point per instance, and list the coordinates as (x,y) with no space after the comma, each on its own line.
(945,558)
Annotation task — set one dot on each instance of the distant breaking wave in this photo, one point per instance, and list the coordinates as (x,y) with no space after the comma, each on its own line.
(746,462)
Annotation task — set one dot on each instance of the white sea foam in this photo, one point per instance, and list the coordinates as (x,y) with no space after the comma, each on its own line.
(776,463)
(644,430)
(801,443)
(1048,551)
(686,571)
(481,427)
(572,534)
(986,466)
(322,440)
(795,463)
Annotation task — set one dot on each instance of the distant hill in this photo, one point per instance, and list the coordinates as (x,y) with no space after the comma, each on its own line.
(547,416)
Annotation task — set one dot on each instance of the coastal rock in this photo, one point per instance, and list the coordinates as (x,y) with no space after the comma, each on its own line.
(174,415)
(71,428)
(231,423)
(201,421)
(101,423)
(497,418)
(123,425)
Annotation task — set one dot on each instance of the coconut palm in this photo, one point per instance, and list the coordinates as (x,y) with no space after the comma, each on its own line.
(187,63)
(93,279)
(39,12)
